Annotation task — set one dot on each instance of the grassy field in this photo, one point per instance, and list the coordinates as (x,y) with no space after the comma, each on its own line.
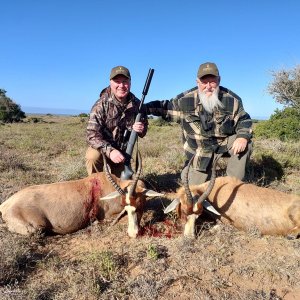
(101,262)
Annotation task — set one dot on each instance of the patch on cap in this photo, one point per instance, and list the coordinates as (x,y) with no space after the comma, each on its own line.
(208,69)
(119,70)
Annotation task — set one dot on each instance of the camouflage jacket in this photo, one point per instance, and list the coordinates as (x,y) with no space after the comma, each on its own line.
(203,133)
(109,119)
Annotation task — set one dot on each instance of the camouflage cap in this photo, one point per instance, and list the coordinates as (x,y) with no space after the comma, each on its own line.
(119,70)
(208,68)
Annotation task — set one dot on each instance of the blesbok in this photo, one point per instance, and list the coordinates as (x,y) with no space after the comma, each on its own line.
(65,207)
(241,204)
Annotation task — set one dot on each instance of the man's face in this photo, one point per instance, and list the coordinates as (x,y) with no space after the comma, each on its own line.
(207,84)
(208,90)
(120,87)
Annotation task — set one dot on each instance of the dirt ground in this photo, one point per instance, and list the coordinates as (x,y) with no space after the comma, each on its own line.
(102,262)
(221,263)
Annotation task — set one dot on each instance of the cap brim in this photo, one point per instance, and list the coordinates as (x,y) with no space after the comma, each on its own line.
(120,74)
(208,73)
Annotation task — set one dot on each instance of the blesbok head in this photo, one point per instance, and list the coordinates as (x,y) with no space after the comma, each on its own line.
(189,204)
(133,197)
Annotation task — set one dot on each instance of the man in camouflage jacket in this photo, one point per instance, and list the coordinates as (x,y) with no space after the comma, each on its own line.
(111,120)
(213,121)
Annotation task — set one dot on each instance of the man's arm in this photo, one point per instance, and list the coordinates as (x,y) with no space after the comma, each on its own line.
(167,109)
(244,126)
(243,122)
(94,131)
(243,129)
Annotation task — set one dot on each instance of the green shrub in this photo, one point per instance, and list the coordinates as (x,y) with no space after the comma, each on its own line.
(83,115)
(283,125)
(35,120)
(9,110)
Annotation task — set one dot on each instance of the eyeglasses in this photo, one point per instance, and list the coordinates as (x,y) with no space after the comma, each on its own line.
(210,81)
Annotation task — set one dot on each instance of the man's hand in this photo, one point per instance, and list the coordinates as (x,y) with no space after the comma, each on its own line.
(116,156)
(239,145)
(138,127)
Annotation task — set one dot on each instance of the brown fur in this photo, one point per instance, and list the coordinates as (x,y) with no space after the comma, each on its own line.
(65,207)
(248,206)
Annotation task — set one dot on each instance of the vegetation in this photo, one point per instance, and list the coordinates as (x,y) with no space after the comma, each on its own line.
(9,110)
(83,115)
(101,262)
(283,125)
(285,87)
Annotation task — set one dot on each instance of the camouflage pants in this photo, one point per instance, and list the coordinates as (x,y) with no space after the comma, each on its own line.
(236,165)
(94,163)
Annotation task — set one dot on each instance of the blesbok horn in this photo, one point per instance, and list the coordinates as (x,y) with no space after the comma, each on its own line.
(137,175)
(212,180)
(109,177)
(188,192)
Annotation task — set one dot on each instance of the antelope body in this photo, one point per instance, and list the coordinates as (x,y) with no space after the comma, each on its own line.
(66,207)
(248,206)
(243,205)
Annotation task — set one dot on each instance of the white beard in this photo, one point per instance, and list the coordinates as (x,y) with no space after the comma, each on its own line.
(210,102)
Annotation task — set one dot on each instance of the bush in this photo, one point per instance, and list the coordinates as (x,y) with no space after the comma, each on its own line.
(9,110)
(283,124)
(83,115)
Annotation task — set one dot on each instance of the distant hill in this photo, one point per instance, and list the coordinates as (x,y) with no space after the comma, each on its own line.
(54,111)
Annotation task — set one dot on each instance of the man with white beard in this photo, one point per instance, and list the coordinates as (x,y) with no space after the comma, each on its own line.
(213,121)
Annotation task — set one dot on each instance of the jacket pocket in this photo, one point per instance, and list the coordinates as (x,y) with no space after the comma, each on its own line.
(227,126)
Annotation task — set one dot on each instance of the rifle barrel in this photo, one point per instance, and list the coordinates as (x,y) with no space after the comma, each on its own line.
(146,86)
(127,173)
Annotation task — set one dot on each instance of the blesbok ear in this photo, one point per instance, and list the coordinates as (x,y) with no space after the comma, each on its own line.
(110,196)
(151,193)
(210,208)
(172,205)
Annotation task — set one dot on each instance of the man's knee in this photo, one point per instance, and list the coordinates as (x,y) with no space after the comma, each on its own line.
(237,163)
(93,160)
(92,154)
(194,177)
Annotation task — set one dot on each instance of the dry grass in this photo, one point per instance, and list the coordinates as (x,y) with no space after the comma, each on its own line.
(101,262)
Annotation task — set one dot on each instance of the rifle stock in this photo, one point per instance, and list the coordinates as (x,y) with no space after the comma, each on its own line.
(127,173)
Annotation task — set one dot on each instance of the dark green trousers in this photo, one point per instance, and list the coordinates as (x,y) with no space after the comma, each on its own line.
(236,165)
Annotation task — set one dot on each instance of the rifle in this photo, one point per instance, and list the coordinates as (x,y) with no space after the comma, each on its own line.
(127,173)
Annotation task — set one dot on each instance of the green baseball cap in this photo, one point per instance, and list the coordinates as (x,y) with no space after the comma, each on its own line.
(119,70)
(208,68)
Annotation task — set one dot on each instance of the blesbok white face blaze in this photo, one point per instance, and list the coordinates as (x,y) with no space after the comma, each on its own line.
(132,196)
(191,203)
(189,227)
(133,227)
(127,197)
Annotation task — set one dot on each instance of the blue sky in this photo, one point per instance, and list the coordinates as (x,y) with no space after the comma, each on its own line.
(59,53)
